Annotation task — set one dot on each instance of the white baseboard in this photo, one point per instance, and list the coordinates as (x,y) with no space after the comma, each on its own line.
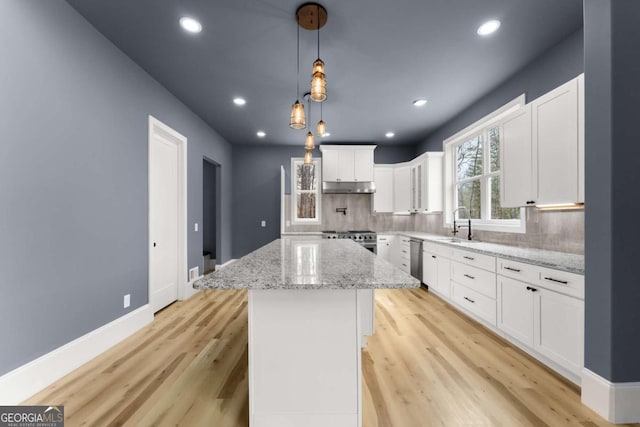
(616,402)
(29,379)
(226,263)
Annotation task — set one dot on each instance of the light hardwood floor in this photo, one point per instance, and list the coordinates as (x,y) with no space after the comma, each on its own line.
(426,365)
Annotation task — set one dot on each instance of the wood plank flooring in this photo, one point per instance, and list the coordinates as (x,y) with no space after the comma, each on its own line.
(426,365)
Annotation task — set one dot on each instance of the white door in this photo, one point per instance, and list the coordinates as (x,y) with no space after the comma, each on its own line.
(383,197)
(516,163)
(164,219)
(402,189)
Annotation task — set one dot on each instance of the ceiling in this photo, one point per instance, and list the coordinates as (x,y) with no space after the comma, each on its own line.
(380,55)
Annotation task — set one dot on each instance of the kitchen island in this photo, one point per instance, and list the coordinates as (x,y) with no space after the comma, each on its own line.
(310,306)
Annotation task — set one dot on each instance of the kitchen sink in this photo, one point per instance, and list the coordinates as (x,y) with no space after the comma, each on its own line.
(454,240)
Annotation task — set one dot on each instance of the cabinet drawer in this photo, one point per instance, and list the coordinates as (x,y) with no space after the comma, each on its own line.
(437,249)
(472,258)
(404,265)
(561,281)
(479,280)
(475,302)
(518,270)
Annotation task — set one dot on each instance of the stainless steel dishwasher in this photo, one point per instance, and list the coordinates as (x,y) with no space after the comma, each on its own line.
(415,258)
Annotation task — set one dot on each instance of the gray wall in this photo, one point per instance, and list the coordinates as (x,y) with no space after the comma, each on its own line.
(612,301)
(556,66)
(73,178)
(256,189)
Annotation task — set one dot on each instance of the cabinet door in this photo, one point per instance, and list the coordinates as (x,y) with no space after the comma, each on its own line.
(417,187)
(383,197)
(555,141)
(515,309)
(430,270)
(345,165)
(363,165)
(402,189)
(559,328)
(444,276)
(330,165)
(516,159)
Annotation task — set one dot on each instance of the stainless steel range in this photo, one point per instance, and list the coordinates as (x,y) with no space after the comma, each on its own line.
(366,238)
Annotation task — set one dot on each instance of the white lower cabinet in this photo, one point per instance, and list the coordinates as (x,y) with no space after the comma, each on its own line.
(399,253)
(383,246)
(549,319)
(539,309)
(559,329)
(436,268)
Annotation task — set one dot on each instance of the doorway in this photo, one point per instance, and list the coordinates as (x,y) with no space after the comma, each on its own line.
(167,214)
(211,174)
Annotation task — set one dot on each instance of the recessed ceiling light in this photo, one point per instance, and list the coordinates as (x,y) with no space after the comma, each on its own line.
(419,102)
(389,134)
(488,27)
(261,134)
(239,101)
(190,24)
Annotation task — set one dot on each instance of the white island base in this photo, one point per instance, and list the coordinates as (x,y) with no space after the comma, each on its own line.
(305,355)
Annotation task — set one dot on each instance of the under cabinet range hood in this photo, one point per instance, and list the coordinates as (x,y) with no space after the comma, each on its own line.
(361,187)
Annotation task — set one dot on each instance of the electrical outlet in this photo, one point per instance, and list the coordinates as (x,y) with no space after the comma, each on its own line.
(127,300)
(263,223)
(195,227)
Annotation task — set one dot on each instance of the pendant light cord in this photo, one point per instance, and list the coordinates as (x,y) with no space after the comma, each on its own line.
(318,8)
(298,62)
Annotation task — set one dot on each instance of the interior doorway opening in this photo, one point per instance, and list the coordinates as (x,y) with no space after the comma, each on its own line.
(211,174)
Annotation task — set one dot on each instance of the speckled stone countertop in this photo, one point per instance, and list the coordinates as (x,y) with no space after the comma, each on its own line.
(302,263)
(573,263)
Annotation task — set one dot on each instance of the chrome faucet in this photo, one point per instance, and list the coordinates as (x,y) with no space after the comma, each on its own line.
(456,227)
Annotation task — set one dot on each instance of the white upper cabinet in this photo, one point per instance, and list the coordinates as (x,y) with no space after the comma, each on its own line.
(542,151)
(363,165)
(402,189)
(347,163)
(426,182)
(556,145)
(383,197)
(516,162)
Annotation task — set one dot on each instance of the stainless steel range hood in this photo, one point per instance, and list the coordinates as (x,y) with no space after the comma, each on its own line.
(348,187)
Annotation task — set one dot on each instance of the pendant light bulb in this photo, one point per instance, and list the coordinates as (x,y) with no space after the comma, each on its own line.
(308,159)
(297,116)
(309,142)
(321,129)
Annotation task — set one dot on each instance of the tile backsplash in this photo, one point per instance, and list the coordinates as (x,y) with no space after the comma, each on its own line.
(561,231)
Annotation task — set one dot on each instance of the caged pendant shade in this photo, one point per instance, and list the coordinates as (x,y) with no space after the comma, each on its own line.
(308,159)
(297,116)
(321,129)
(309,142)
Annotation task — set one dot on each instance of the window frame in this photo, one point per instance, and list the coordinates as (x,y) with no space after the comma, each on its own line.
(480,128)
(294,192)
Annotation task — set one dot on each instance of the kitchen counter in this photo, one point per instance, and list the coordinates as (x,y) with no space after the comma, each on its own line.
(302,263)
(572,263)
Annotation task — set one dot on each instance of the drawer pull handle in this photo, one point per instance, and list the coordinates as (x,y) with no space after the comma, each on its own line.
(531,202)
(433,256)
(404,252)
(529,288)
(470,277)
(551,279)
(468,257)
(404,265)
(512,269)
(470,300)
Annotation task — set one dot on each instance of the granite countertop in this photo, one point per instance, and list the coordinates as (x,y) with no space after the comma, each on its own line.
(302,263)
(572,263)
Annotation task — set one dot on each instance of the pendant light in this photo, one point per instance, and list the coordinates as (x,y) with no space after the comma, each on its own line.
(309,142)
(318,81)
(308,159)
(297,120)
(321,129)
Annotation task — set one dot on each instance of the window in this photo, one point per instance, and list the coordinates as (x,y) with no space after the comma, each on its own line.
(472,171)
(305,191)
